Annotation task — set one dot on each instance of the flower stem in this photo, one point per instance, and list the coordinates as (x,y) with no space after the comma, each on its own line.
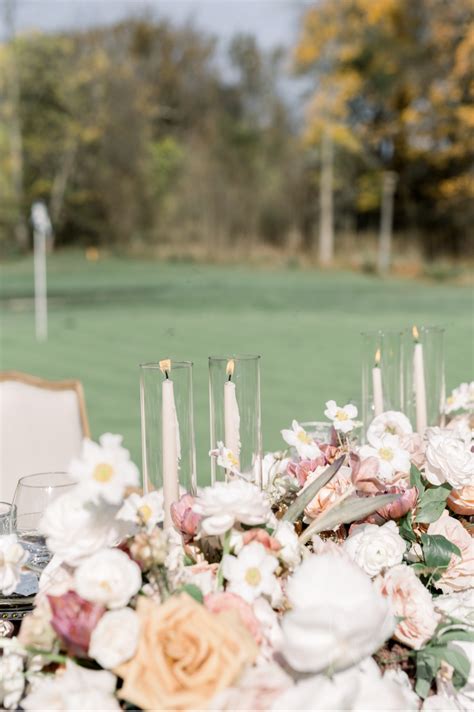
(226,549)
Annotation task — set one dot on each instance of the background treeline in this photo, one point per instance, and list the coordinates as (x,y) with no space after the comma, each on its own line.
(144,134)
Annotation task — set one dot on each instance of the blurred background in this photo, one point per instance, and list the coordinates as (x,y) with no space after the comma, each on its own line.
(256,176)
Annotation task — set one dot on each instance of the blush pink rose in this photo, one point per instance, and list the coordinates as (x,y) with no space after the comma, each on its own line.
(263,537)
(184,519)
(74,619)
(301,470)
(460,573)
(411,602)
(405,503)
(329,494)
(226,601)
(365,476)
(416,446)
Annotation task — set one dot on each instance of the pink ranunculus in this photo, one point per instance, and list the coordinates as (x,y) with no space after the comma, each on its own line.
(365,477)
(301,470)
(263,537)
(412,603)
(416,446)
(223,601)
(74,619)
(406,502)
(460,573)
(331,451)
(184,519)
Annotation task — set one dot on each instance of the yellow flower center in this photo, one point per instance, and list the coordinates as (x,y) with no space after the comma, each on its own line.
(450,400)
(253,577)
(303,437)
(145,512)
(342,415)
(391,429)
(103,472)
(232,459)
(386,453)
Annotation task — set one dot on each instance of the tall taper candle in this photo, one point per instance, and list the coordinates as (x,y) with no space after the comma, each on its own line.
(170,444)
(377,385)
(231,413)
(419,384)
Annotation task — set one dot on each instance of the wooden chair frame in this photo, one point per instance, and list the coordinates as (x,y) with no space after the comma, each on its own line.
(70,385)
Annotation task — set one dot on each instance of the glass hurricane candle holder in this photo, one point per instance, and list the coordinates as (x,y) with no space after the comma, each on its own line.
(382,374)
(235,415)
(167,426)
(424,379)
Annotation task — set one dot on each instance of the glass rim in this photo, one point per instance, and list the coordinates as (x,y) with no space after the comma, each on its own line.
(381,332)
(155,365)
(9,505)
(236,357)
(42,474)
(421,329)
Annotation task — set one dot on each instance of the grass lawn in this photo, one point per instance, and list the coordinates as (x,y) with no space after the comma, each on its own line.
(107,317)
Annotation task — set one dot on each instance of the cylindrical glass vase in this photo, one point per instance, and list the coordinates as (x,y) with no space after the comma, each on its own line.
(167,423)
(235,417)
(424,378)
(382,374)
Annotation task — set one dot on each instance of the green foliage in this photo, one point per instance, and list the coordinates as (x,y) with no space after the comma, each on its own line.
(416,480)
(431,503)
(429,660)
(405,527)
(192,590)
(437,551)
(304,498)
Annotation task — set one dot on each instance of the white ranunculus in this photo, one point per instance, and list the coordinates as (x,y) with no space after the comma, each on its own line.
(75,689)
(304,444)
(251,573)
(448,459)
(108,577)
(104,471)
(227,503)
(337,616)
(342,418)
(75,528)
(12,678)
(389,423)
(392,458)
(115,637)
(290,552)
(12,557)
(375,548)
(362,687)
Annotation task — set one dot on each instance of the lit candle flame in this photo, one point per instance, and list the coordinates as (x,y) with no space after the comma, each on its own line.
(415,333)
(165,366)
(230,368)
(377,357)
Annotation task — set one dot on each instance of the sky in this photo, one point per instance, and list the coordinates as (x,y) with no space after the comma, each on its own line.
(274,22)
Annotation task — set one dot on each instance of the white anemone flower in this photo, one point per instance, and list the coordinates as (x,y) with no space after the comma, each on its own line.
(227,503)
(251,573)
(303,443)
(389,423)
(461,398)
(342,418)
(226,458)
(104,470)
(392,458)
(146,510)
(12,558)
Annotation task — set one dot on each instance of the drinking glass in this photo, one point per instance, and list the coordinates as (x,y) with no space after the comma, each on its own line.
(6,518)
(32,495)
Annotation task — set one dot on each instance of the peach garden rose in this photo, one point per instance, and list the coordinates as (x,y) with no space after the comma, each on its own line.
(460,573)
(185,655)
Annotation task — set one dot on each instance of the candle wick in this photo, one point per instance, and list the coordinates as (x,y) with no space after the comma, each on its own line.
(166,374)
(229,378)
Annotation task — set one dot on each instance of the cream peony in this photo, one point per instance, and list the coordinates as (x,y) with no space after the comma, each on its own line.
(12,557)
(75,529)
(114,640)
(392,422)
(460,573)
(74,689)
(108,577)
(375,548)
(412,603)
(448,459)
(225,504)
(337,616)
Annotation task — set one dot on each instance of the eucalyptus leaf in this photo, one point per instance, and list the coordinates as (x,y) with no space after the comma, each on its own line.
(350,510)
(432,503)
(456,634)
(192,590)
(304,498)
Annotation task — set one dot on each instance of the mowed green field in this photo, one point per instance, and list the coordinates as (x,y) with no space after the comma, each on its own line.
(107,317)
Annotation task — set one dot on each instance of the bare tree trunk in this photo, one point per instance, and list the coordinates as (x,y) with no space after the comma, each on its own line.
(389,182)
(326,213)
(60,182)
(14,130)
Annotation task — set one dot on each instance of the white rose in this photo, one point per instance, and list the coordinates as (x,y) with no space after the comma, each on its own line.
(108,577)
(337,616)
(448,459)
(115,637)
(12,678)
(75,689)
(75,529)
(458,604)
(375,548)
(12,558)
(290,552)
(391,422)
(227,503)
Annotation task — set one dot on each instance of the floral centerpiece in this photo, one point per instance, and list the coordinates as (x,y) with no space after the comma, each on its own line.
(345,582)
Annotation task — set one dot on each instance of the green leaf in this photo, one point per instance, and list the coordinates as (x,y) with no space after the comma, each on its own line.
(350,510)
(456,634)
(438,550)
(427,665)
(432,503)
(405,527)
(309,492)
(416,479)
(192,590)
(461,664)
